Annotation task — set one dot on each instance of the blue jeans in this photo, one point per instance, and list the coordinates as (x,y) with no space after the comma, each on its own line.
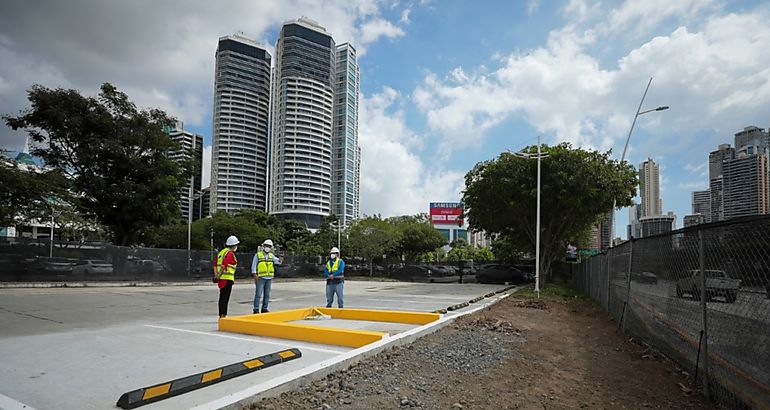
(331,289)
(263,287)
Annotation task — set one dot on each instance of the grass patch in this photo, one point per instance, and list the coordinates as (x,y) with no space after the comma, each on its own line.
(558,290)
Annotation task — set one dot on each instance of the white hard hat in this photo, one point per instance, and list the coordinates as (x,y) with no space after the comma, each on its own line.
(232,241)
(334,250)
(267,242)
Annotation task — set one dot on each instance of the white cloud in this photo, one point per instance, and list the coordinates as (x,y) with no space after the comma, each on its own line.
(206,177)
(372,30)
(700,169)
(693,185)
(532,6)
(405,15)
(402,184)
(162,59)
(641,16)
(716,78)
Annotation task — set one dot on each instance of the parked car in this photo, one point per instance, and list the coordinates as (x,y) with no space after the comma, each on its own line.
(499,273)
(143,266)
(644,277)
(718,283)
(55,266)
(416,273)
(91,267)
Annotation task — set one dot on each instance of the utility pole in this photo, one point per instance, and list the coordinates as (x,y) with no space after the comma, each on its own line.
(539,157)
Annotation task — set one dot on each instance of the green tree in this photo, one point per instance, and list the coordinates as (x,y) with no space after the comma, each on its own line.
(417,236)
(115,156)
(372,237)
(483,255)
(577,187)
(460,250)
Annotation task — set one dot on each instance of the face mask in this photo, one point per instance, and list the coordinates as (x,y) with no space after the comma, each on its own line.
(334,256)
(268,248)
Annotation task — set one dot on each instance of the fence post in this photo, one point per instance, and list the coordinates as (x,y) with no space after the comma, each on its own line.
(609,259)
(628,287)
(703,294)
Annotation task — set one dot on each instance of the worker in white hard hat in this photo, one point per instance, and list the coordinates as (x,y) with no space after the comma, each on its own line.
(335,278)
(263,269)
(224,272)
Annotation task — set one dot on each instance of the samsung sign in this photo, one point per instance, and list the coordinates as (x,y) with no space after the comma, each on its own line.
(446,213)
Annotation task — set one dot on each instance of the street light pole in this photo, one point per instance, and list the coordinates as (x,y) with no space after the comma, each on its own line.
(537,233)
(540,156)
(625,147)
(50,253)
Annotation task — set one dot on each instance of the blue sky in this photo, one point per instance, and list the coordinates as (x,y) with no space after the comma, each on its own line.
(445,84)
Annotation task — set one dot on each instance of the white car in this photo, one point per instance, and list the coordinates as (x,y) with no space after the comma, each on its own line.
(91,267)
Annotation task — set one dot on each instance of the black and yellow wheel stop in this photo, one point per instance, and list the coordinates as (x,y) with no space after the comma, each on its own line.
(146,395)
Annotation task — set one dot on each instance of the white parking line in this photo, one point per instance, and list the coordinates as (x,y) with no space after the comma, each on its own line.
(417,302)
(292,344)
(8,403)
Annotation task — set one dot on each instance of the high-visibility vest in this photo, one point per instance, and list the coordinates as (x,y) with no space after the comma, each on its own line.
(333,268)
(265,266)
(229,272)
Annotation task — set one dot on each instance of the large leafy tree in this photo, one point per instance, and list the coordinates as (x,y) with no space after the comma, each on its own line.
(114,155)
(416,236)
(372,237)
(577,187)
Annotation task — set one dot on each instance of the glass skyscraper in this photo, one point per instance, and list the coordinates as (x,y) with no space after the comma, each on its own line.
(191,149)
(303,100)
(345,154)
(239,160)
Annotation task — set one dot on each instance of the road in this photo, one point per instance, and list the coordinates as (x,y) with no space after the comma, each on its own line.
(738,333)
(80,348)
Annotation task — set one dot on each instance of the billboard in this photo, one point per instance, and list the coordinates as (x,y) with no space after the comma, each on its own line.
(446,213)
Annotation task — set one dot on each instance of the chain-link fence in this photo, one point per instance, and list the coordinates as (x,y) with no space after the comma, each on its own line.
(701,296)
(33,260)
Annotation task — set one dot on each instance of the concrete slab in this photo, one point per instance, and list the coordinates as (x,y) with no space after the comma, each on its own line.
(82,348)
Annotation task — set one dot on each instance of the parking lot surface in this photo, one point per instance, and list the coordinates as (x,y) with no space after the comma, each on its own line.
(81,348)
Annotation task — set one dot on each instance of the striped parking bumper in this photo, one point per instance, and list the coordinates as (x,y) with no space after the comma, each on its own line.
(146,395)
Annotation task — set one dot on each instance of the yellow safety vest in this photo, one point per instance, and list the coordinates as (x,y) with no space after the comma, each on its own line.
(334,268)
(265,266)
(229,273)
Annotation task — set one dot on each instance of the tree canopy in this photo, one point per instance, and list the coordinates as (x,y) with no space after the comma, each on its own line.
(115,156)
(577,187)
(29,194)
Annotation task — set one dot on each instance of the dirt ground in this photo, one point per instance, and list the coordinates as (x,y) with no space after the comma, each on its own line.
(518,354)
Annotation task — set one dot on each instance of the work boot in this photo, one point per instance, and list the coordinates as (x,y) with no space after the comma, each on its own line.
(255,311)
(265,311)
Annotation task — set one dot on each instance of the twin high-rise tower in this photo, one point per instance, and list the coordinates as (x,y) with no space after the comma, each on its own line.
(287,144)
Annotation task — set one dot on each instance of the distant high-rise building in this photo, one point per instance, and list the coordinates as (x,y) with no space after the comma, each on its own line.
(701,204)
(303,101)
(657,224)
(753,136)
(191,150)
(315,154)
(695,219)
(634,228)
(345,150)
(239,160)
(716,180)
(205,203)
(746,186)
(649,188)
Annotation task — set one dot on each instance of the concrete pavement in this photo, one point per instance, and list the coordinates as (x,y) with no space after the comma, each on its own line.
(81,348)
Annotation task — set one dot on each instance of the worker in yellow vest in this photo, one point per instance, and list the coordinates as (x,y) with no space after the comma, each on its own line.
(224,273)
(335,278)
(263,269)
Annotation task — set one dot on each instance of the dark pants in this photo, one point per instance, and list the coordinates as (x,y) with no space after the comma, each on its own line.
(224,297)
